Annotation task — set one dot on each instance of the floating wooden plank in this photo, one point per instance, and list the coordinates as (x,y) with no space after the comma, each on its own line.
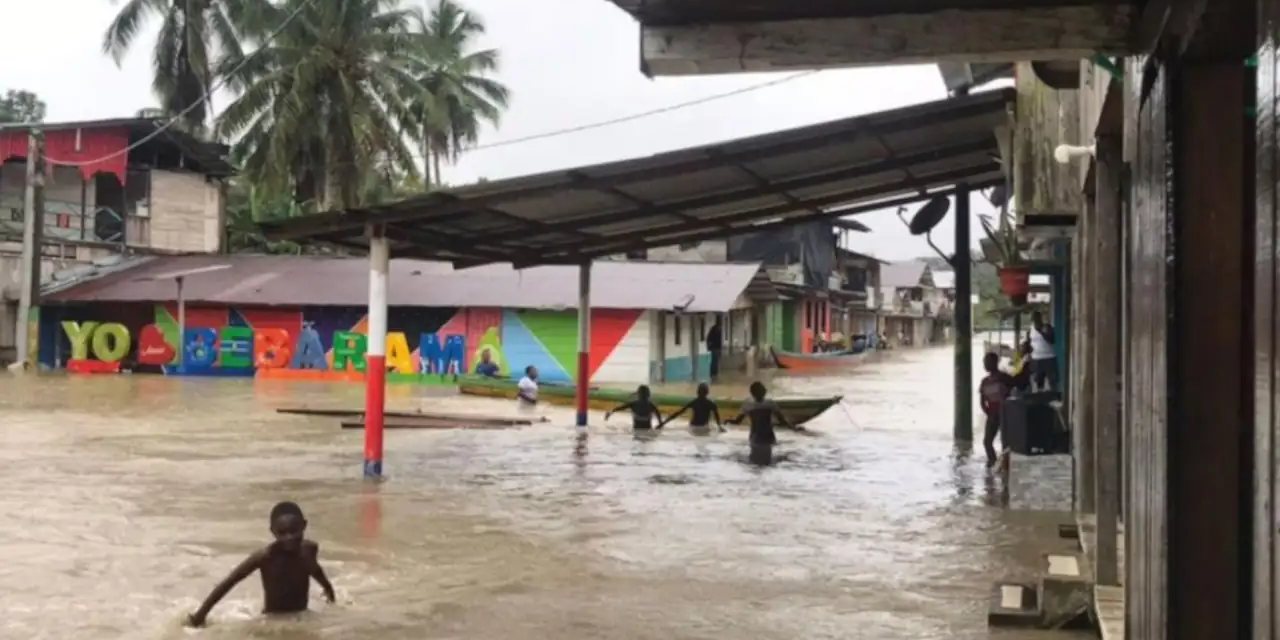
(404,423)
(358,415)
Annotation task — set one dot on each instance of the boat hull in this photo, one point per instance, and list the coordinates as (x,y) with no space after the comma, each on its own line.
(796,410)
(817,361)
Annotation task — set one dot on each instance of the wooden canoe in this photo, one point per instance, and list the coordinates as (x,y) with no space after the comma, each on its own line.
(817,361)
(797,410)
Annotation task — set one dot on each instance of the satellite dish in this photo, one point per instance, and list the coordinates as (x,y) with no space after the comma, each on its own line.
(929,215)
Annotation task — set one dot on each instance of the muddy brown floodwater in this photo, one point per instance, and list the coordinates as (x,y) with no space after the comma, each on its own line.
(125,499)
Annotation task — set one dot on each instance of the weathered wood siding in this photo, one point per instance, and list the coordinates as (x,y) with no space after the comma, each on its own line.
(1147,394)
(1266,326)
(1045,119)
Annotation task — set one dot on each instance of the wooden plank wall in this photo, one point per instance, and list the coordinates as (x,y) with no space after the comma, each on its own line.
(1266,325)
(1190,394)
(1147,391)
(1045,119)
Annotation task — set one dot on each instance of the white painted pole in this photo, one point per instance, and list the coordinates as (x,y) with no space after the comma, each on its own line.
(376,354)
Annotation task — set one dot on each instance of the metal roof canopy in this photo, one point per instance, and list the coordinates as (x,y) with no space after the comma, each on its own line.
(823,171)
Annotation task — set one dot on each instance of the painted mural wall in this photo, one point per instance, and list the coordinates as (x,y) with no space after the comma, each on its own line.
(424,345)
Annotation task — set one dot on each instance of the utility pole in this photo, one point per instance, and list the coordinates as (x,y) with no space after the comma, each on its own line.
(32,232)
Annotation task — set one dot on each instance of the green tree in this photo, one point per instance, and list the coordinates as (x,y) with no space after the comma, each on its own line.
(193,34)
(21,106)
(322,103)
(456,96)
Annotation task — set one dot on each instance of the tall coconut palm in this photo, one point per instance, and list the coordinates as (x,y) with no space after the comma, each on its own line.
(322,102)
(455,95)
(193,34)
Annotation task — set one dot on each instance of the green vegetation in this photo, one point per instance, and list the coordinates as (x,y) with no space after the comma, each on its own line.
(17,105)
(336,103)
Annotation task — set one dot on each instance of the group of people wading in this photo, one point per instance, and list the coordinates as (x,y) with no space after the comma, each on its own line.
(1035,368)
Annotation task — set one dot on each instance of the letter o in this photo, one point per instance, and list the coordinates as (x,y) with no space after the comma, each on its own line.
(111,342)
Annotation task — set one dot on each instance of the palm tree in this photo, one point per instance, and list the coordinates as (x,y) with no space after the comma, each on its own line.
(323,100)
(455,96)
(193,33)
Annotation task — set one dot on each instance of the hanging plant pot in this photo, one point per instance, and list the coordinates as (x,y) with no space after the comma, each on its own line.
(1015,282)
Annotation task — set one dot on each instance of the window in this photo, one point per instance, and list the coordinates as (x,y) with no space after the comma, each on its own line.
(675,322)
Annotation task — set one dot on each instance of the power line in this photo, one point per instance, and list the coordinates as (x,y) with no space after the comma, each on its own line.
(643,114)
(203,98)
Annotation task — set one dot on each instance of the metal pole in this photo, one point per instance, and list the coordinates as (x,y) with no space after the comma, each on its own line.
(583,382)
(963,430)
(375,375)
(182,324)
(32,219)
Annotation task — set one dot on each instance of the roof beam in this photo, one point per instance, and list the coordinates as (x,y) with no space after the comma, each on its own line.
(985,144)
(686,233)
(440,204)
(1009,34)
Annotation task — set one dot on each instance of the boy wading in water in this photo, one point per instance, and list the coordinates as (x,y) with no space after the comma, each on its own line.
(643,411)
(761,412)
(527,389)
(704,409)
(992,391)
(287,567)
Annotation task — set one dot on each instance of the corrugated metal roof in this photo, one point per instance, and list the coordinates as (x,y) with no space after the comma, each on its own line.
(902,274)
(317,281)
(866,163)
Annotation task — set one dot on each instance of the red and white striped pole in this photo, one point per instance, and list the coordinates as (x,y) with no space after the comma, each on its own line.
(583,383)
(375,376)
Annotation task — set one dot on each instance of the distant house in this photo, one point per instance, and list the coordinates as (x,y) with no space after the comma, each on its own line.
(914,307)
(809,289)
(112,187)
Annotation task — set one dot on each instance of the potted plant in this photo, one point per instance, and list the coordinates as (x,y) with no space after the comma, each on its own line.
(1001,249)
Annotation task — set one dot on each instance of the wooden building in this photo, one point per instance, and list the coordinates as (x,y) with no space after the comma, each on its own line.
(1175,381)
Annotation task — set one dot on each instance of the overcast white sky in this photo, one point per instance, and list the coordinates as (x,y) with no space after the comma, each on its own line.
(573,65)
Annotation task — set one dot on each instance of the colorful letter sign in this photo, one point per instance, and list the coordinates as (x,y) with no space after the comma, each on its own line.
(231,349)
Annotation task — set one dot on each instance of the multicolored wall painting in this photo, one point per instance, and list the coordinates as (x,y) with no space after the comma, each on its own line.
(424,345)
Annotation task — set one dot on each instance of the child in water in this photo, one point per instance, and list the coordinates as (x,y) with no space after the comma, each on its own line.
(992,391)
(642,409)
(287,567)
(761,411)
(703,408)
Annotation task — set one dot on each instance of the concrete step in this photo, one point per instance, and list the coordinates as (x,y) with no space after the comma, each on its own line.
(1066,588)
(1014,604)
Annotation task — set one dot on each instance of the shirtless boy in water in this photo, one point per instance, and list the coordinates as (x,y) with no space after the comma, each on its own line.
(287,567)
(704,409)
(643,411)
(761,412)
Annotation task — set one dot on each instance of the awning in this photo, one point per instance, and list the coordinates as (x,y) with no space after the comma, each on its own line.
(824,171)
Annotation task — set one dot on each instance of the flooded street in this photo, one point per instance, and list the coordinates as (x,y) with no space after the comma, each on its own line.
(127,498)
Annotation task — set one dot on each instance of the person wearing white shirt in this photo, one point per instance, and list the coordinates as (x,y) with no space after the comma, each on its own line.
(1044,355)
(527,389)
